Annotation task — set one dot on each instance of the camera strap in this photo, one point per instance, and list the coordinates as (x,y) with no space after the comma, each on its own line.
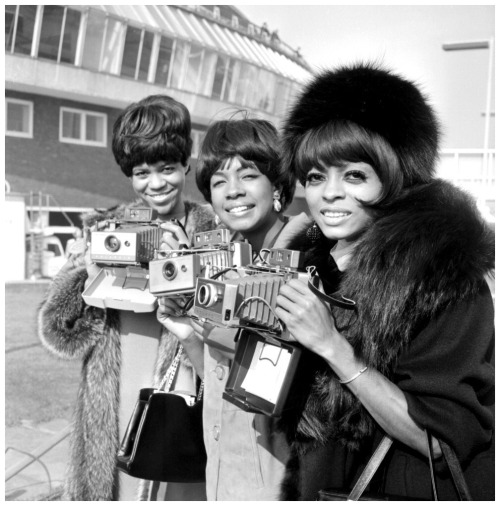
(343,302)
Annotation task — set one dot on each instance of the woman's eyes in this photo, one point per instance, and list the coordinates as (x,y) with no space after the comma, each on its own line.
(315,177)
(355,175)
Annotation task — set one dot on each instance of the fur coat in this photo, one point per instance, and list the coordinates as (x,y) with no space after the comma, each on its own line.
(427,253)
(72,330)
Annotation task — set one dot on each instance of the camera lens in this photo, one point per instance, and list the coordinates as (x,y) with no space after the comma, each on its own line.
(111,243)
(207,295)
(169,271)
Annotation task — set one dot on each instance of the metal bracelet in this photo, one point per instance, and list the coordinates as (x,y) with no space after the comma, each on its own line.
(359,373)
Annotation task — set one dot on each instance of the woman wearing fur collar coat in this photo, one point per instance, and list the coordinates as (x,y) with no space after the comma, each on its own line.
(124,351)
(412,252)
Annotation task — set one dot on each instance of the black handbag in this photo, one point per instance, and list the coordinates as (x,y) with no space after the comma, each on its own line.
(164,437)
(356,494)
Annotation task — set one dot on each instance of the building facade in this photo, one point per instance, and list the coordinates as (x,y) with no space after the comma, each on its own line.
(70,70)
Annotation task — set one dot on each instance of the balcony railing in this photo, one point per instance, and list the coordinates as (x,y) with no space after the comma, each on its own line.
(471,169)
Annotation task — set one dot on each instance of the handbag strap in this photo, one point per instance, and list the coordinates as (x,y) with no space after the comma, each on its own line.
(456,471)
(371,468)
(383,448)
(170,375)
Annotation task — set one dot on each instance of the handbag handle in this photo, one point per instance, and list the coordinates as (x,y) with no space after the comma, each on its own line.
(381,451)
(170,375)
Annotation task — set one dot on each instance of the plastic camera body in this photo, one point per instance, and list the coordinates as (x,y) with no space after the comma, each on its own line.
(130,241)
(176,272)
(250,300)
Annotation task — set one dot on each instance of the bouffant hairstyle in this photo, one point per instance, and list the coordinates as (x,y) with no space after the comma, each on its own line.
(255,142)
(363,113)
(156,128)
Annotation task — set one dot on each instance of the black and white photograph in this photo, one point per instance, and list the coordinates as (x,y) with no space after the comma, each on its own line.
(249,252)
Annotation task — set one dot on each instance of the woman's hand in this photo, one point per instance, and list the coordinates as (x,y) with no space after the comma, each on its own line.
(170,314)
(307,318)
(174,237)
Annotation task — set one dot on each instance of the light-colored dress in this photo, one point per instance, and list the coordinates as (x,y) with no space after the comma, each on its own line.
(246,452)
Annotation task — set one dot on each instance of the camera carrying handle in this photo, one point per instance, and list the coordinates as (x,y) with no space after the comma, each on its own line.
(343,303)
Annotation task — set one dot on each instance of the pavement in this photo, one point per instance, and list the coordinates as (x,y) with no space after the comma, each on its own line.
(42,479)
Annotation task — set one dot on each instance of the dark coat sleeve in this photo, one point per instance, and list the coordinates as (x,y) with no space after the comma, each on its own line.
(447,375)
(67,326)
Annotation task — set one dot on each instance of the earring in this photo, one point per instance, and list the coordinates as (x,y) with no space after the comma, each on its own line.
(217,220)
(276,202)
(313,233)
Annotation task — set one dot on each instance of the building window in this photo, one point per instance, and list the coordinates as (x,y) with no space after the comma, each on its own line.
(164,60)
(194,61)
(18,118)
(137,53)
(19,28)
(82,127)
(94,35)
(197,136)
(50,32)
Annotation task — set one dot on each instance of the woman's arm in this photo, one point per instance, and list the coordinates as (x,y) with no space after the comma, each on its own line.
(181,327)
(309,321)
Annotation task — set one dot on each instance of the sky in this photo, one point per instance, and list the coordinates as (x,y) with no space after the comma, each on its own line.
(406,38)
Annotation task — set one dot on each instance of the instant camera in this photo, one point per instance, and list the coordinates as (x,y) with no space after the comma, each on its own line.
(175,272)
(123,249)
(266,359)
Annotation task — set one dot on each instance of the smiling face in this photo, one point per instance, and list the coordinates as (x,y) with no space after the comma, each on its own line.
(160,186)
(335,197)
(242,197)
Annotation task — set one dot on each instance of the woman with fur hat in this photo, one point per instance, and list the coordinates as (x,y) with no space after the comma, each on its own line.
(412,252)
(124,351)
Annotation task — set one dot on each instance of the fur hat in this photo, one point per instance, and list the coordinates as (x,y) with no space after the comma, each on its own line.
(377,100)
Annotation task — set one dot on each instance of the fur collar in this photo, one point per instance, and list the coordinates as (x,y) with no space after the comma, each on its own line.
(428,250)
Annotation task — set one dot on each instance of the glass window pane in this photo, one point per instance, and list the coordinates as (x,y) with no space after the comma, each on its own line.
(50,33)
(147,46)
(17,117)
(164,58)
(71,125)
(243,84)
(25,27)
(232,80)
(208,73)
(130,51)
(193,67)
(180,56)
(111,53)
(70,38)
(93,40)
(10,16)
(220,72)
(94,128)
(265,92)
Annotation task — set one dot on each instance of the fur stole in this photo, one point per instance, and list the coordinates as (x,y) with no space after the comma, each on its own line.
(425,252)
(72,330)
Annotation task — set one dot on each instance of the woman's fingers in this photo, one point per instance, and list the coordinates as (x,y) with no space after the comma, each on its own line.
(174,236)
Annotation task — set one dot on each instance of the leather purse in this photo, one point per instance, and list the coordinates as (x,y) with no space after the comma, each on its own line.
(356,494)
(164,437)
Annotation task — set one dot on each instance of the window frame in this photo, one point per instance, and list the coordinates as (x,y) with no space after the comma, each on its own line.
(15,133)
(83,123)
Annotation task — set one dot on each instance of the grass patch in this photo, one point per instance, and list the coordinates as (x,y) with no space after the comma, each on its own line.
(38,386)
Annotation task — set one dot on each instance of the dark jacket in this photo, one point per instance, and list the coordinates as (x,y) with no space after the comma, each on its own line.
(73,330)
(424,318)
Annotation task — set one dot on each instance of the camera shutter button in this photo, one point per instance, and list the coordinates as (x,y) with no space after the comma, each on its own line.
(216,432)
(220,373)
